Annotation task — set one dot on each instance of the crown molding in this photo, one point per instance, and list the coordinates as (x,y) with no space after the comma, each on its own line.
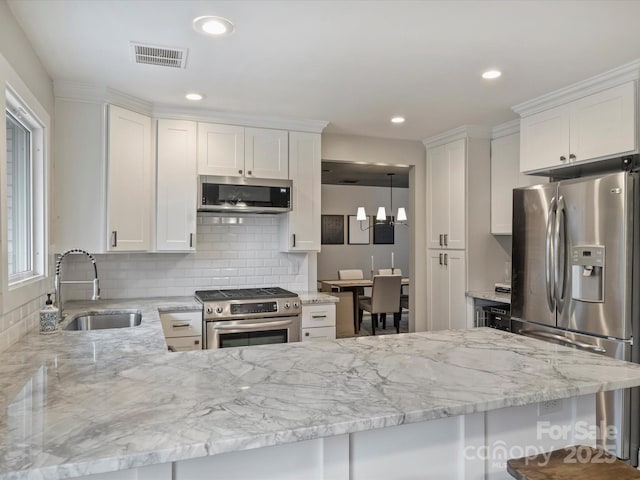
(612,78)
(506,128)
(259,121)
(84,92)
(90,93)
(465,131)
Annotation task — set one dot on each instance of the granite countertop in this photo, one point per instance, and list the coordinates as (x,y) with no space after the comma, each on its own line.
(80,403)
(311,298)
(490,295)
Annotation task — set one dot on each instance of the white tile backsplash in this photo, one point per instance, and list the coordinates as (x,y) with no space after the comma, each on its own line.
(232,252)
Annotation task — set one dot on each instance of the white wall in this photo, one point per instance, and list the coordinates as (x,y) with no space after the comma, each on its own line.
(20,65)
(232,252)
(344,200)
(353,148)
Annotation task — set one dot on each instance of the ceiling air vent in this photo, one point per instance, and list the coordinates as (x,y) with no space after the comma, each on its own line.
(157,55)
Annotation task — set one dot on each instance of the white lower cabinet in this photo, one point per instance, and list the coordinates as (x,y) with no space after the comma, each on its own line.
(446,279)
(318,322)
(182,330)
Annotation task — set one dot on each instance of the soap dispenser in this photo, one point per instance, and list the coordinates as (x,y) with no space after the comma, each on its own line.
(48,317)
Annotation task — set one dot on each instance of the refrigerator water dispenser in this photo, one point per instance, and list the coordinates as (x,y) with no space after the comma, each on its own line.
(587,273)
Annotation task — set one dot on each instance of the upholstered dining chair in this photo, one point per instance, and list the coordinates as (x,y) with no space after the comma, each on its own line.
(385,298)
(354,274)
(404,299)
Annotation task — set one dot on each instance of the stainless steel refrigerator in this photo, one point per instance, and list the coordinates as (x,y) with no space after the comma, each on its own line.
(575,280)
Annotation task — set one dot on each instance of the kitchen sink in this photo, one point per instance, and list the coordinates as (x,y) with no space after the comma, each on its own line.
(101,321)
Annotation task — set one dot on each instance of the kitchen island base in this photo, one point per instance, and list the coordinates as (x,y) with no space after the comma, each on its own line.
(475,446)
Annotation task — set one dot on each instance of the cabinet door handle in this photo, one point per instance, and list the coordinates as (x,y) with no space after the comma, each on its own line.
(446,239)
(563,158)
(191,240)
(441,240)
(572,157)
(240,172)
(446,259)
(306,334)
(114,238)
(294,239)
(440,258)
(248,172)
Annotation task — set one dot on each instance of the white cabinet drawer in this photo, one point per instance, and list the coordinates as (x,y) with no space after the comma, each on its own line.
(318,316)
(183,344)
(181,324)
(318,333)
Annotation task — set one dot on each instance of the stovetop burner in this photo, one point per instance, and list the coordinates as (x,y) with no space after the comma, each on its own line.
(243,294)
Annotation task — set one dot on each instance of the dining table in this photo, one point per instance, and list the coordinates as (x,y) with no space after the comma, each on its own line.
(352,286)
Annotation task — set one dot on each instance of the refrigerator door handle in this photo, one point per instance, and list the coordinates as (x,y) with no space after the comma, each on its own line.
(560,274)
(550,256)
(567,341)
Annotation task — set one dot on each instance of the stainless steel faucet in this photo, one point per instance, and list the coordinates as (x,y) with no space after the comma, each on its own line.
(58,282)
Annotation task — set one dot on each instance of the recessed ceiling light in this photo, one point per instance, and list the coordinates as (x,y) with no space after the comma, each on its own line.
(216,26)
(193,96)
(397,120)
(491,74)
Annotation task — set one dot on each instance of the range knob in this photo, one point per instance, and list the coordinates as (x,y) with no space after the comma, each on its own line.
(209,310)
(287,306)
(296,305)
(218,309)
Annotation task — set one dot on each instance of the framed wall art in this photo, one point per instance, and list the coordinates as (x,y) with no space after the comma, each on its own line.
(383,233)
(358,232)
(332,230)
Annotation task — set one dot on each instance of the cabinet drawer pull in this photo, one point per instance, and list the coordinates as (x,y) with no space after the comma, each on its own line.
(306,334)
(318,316)
(180,325)
(114,238)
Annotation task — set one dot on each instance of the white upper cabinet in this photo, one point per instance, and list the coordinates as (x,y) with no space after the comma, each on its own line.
(300,229)
(176,186)
(505,176)
(446,191)
(597,126)
(220,150)
(232,151)
(129,181)
(266,153)
(545,139)
(603,124)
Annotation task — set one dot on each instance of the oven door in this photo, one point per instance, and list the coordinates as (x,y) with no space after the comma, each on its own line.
(254,331)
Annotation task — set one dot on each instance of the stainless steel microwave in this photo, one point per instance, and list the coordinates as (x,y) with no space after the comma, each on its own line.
(243,195)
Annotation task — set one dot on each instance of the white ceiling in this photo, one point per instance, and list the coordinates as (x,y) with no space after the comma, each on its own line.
(352,63)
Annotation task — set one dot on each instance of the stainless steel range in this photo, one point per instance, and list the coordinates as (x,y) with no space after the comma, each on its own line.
(249,316)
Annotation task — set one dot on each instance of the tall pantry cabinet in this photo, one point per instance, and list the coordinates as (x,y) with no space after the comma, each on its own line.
(459,242)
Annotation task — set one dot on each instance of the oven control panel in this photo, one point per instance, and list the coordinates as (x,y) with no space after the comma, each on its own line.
(251,309)
(258,307)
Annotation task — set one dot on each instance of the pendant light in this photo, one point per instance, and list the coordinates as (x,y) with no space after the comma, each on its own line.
(381,216)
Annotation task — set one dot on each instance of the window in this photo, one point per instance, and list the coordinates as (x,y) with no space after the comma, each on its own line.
(24,189)
(19,202)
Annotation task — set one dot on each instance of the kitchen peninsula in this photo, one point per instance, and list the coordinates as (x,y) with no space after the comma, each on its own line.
(115,405)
